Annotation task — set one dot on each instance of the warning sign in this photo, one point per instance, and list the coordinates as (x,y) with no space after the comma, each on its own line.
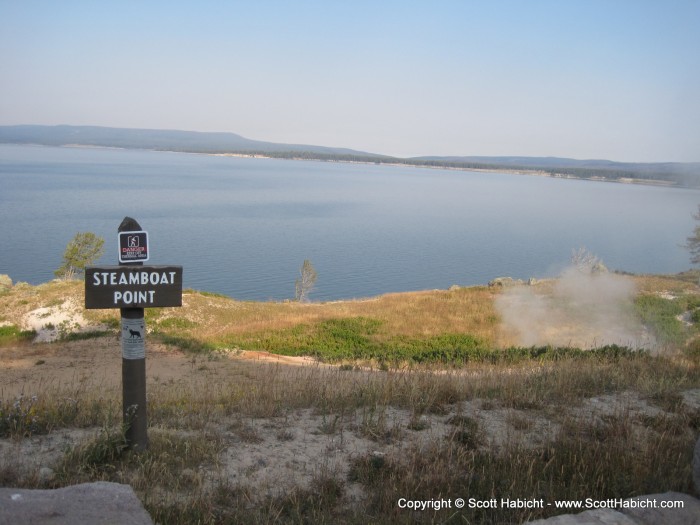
(133,246)
(133,342)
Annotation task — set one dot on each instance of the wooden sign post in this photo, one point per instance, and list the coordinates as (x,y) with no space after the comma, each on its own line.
(131,287)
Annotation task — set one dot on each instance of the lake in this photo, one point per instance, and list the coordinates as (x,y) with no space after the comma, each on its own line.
(243,226)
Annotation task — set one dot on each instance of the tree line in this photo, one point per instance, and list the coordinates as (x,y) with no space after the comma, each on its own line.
(684,179)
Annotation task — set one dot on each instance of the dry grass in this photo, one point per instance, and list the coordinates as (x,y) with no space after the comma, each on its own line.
(526,431)
(415,314)
(213,319)
(674,284)
(238,441)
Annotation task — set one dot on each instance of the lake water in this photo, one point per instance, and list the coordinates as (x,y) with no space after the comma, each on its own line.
(243,227)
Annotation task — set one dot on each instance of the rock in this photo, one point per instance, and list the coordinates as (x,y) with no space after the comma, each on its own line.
(98,503)
(5,282)
(642,512)
(46,474)
(505,282)
(688,515)
(590,517)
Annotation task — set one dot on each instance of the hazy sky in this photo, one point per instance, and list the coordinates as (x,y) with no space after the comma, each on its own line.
(584,79)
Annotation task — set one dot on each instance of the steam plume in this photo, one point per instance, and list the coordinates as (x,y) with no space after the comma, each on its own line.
(586,307)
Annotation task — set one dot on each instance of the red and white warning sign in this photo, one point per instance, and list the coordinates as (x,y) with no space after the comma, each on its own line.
(133,246)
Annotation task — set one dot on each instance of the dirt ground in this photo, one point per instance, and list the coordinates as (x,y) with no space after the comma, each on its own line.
(269,456)
(30,369)
(271,452)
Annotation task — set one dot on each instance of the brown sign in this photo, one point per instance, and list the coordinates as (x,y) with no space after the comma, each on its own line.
(133,286)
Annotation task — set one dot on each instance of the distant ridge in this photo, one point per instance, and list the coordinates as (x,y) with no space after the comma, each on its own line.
(680,170)
(167,140)
(685,174)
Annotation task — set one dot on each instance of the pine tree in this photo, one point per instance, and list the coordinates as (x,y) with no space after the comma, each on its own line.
(693,242)
(83,249)
(306,281)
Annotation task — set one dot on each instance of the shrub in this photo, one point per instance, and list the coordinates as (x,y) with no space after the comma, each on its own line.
(20,418)
(659,314)
(10,334)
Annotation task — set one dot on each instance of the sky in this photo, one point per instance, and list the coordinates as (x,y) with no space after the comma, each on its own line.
(616,80)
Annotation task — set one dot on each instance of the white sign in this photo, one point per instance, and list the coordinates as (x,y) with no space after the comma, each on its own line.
(133,342)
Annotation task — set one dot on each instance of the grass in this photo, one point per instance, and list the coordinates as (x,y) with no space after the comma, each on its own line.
(337,330)
(91,334)
(11,335)
(661,315)
(38,414)
(439,375)
(360,338)
(442,326)
(172,464)
(585,458)
(566,468)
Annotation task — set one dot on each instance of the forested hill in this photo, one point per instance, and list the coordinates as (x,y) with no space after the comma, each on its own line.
(682,174)
(155,139)
(686,174)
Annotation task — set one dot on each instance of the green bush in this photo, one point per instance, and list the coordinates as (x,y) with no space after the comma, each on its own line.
(362,338)
(659,315)
(10,334)
(446,348)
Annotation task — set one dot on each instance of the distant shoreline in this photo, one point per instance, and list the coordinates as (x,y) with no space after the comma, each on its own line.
(534,173)
(383,162)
